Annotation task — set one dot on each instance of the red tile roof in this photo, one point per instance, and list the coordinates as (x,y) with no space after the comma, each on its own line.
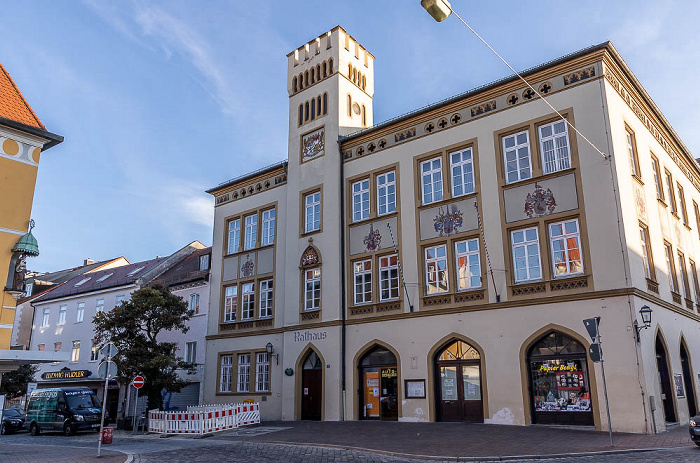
(13,106)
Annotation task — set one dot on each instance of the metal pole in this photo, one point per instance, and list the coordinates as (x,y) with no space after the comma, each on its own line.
(135,405)
(605,385)
(391,233)
(104,406)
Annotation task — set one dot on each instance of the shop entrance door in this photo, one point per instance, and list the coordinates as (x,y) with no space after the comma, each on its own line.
(311,387)
(688,380)
(379,386)
(665,380)
(459,396)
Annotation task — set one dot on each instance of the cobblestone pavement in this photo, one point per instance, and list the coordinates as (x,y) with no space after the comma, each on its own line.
(26,453)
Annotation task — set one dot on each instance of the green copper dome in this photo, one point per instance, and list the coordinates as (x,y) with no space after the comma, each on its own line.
(27,245)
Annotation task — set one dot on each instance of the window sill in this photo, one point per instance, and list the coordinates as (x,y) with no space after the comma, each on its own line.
(538,178)
(312,232)
(652,286)
(372,218)
(676,297)
(638,179)
(391,305)
(444,201)
(662,201)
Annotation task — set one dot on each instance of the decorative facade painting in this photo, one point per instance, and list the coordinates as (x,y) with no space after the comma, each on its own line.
(641,202)
(310,257)
(248,267)
(313,144)
(448,221)
(373,239)
(540,202)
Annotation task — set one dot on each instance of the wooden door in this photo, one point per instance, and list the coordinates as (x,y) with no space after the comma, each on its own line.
(472,402)
(450,405)
(311,394)
(665,380)
(688,380)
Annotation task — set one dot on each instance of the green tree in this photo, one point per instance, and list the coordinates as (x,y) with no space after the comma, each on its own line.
(14,383)
(134,326)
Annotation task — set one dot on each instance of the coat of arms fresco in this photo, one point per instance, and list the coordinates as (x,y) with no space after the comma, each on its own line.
(373,239)
(313,144)
(248,267)
(540,202)
(448,221)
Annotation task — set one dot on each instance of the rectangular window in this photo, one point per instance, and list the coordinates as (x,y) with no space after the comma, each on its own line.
(672,280)
(386,193)
(697,216)
(362,272)
(204,262)
(80,313)
(75,353)
(360,200)
(100,306)
(248,301)
(436,269)
(683,272)
(225,373)
(516,151)
(94,351)
(41,347)
(566,248)
(191,352)
(554,142)
(28,288)
(266,298)
(312,212)
(669,192)
(251,231)
(45,317)
(431,184)
(234,236)
(312,291)
(57,346)
(194,303)
(681,201)
(389,277)
(646,252)
(631,153)
(230,303)
(657,178)
(696,285)
(243,373)
(468,264)
(268,227)
(62,315)
(462,169)
(526,255)
(262,372)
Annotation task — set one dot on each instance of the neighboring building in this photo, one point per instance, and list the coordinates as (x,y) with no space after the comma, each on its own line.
(508,229)
(22,140)
(63,322)
(36,284)
(189,279)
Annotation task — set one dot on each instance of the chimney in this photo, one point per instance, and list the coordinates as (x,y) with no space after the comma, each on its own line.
(88,261)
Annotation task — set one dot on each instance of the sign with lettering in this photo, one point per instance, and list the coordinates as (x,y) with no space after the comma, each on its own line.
(571,366)
(305,336)
(66,374)
(388,372)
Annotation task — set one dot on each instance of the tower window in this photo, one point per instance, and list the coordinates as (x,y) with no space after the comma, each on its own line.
(313,72)
(325,69)
(294,84)
(301,114)
(330,66)
(313,109)
(306,112)
(325,103)
(349,106)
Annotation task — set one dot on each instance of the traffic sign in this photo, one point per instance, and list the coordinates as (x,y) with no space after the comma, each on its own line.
(109,350)
(107,369)
(138,382)
(592,325)
(595,352)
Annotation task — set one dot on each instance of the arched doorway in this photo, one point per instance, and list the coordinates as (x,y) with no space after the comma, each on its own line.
(665,381)
(379,385)
(688,380)
(311,387)
(559,385)
(459,396)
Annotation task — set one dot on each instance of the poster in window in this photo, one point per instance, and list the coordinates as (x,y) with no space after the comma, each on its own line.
(415,388)
(678,383)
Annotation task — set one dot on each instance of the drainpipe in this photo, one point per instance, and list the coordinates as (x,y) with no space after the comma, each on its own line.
(342,282)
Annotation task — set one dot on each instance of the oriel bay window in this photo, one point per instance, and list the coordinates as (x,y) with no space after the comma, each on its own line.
(362,271)
(436,269)
(526,255)
(468,264)
(566,248)
(389,277)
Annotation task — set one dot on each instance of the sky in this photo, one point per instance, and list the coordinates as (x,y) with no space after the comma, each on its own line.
(160,100)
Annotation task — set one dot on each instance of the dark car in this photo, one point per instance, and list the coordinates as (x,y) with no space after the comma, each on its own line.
(12,420)
(67,409)
(695,429)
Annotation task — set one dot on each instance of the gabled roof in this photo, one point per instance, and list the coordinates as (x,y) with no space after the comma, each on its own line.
(61,276)
(185,271)
(13,106)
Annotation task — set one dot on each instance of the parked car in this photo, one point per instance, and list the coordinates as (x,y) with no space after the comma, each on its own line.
(67,409)
(12,420)
(695,429)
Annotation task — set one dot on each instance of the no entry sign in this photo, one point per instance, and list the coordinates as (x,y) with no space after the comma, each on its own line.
(138,382)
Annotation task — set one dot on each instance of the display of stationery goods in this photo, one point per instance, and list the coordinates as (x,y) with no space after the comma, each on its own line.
(560,385)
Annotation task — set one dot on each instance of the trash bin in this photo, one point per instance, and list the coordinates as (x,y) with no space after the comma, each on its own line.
(107,435)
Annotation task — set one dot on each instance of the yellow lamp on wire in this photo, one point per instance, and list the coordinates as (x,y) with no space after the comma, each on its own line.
(438,9)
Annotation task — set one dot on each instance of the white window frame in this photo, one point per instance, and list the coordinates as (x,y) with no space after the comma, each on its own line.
(62,311)
(683,272)
(630,152)
(75,352)
(462,172)
(523,171)
(386,193)
(388,277)
(645,251)
(243,373)
(360,200)
(99,306)
(226,373)
(268,227)
(565,238)
(80,312)
(234,236)
(266,298)
(431,176)
(46,317)
(312,284)
(696,284)
(194,303)
(464,273)
(204,262)
(312,212)
(230,303)
(668,253)
(262,372)
(560,160)
(526,245)
(251,232)
(191,351)
(432,284)
(247,301)
(361,278)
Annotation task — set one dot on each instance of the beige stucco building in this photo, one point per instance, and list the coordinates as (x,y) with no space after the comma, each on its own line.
(439,266)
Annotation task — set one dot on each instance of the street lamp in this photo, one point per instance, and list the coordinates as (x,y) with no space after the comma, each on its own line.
(438,9)
(270,351)
(645,312)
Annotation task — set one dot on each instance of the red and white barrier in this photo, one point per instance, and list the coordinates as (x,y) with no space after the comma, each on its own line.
(204,419)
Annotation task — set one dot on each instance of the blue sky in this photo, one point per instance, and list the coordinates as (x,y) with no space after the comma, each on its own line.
(160,100)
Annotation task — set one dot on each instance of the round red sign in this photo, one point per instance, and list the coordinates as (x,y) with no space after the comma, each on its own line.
(138,382)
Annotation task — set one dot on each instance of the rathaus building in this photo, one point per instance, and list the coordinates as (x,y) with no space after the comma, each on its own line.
(439,266)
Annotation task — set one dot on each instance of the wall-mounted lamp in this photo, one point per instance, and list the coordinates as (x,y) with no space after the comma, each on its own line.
(270,351)
(438,9)
(645,312)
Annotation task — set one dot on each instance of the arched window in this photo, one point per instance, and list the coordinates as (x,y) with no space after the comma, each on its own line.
(306,111)
(318,72)
(330,66)
(294,84)
(301,114)
(378,373)
(459,394)
(364,82)
(306,80)
(349,71)
(354,75)
(325,69)
(301,81)
(359,78)
(364,118)
(311,277)
(313,71)
(318,105)
(325,103)
(349,105)
(313,109)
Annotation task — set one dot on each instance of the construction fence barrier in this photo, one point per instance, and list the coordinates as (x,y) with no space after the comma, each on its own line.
(204,419)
